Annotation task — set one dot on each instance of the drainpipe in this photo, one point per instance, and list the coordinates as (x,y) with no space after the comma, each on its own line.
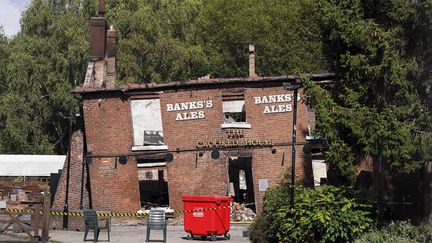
(66,203)
(295,86)
(294,141)
(84,158)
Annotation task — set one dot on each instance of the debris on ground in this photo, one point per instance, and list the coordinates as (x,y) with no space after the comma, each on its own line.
(239,212)
(169,212)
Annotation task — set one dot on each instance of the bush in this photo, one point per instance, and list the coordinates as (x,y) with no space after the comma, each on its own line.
(400,232)
(326,214)
(265,226)
(259,231)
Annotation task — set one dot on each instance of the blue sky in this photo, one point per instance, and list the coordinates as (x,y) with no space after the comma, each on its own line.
(10,14)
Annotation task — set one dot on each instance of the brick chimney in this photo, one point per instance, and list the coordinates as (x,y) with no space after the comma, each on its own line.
(101,71)
(101,9)
(98,30)
(112,37)
(252,73)
(111,53)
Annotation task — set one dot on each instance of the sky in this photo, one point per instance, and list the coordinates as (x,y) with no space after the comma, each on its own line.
(10,14)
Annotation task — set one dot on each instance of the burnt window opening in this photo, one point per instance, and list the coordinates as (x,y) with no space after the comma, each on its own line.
(234,111)
(147,123)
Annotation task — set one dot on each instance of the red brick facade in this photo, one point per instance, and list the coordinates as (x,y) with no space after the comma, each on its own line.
(109,134)
(74,199)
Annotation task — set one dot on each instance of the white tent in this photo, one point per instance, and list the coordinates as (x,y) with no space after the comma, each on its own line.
(30,165)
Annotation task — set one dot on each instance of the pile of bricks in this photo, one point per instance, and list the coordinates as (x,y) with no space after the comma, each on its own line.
(239,212)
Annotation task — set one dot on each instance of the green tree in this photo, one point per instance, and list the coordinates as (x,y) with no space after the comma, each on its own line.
(46,60)
(375,107)
(3,59)
(285,34)
(165,40)
(157,40)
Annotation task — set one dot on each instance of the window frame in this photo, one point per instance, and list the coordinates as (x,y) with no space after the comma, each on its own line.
(137,147)
(234,97)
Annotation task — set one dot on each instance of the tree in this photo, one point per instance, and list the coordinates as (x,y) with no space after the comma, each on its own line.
(163,41)
(3,58)
(285,33)
(375,109)
(157,40)
(46,60)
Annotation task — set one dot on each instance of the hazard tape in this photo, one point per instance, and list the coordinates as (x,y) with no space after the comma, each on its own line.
(100,214)
(14,210)
(60,213)
(202,209)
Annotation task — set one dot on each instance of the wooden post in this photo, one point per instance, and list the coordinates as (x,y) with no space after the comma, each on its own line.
(45,219)
(36,221)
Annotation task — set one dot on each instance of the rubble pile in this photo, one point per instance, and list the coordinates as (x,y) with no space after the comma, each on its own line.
(239,212)
(169,212)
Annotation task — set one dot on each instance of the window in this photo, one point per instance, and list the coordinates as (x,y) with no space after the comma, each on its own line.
(234,114)
(147,124)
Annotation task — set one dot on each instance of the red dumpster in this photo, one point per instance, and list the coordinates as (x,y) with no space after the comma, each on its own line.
(209,216)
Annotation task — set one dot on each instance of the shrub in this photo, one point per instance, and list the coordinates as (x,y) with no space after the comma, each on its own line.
(259,231)
(325,214)
(400,232)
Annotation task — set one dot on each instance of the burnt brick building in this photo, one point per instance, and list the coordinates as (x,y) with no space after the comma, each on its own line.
(152,143)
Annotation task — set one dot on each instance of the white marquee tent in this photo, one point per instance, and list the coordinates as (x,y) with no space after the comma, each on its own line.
(30,165)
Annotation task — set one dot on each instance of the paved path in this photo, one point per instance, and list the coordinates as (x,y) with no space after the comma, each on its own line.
(133,234)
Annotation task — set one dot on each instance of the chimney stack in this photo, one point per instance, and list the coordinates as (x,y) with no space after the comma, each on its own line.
(252,73)
(97,38)
(112,38)
(98,30)
(103,51)
(111,53)
(101,10)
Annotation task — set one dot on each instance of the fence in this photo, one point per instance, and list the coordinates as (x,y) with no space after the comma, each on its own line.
(37,227)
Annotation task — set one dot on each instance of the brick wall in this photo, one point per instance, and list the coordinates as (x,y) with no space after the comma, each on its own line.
(108,123)
(109,134)
(74,185)
(190,174)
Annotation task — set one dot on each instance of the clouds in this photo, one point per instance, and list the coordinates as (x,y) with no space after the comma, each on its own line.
(10,15)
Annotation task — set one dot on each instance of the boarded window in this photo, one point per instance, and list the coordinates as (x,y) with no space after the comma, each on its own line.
(234,111)
(147,122)
(319,168)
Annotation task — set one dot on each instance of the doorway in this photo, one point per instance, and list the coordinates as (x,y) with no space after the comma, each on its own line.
(241,187)
(153,184)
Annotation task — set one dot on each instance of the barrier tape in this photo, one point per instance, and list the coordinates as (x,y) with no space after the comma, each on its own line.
(60,213)
(202,209)
(13,210)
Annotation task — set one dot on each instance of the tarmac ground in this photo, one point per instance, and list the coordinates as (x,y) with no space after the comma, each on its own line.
(129,234)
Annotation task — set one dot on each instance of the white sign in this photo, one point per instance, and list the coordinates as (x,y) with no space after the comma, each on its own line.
(277,108)
(186,106)
(198,214)
(262,185)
